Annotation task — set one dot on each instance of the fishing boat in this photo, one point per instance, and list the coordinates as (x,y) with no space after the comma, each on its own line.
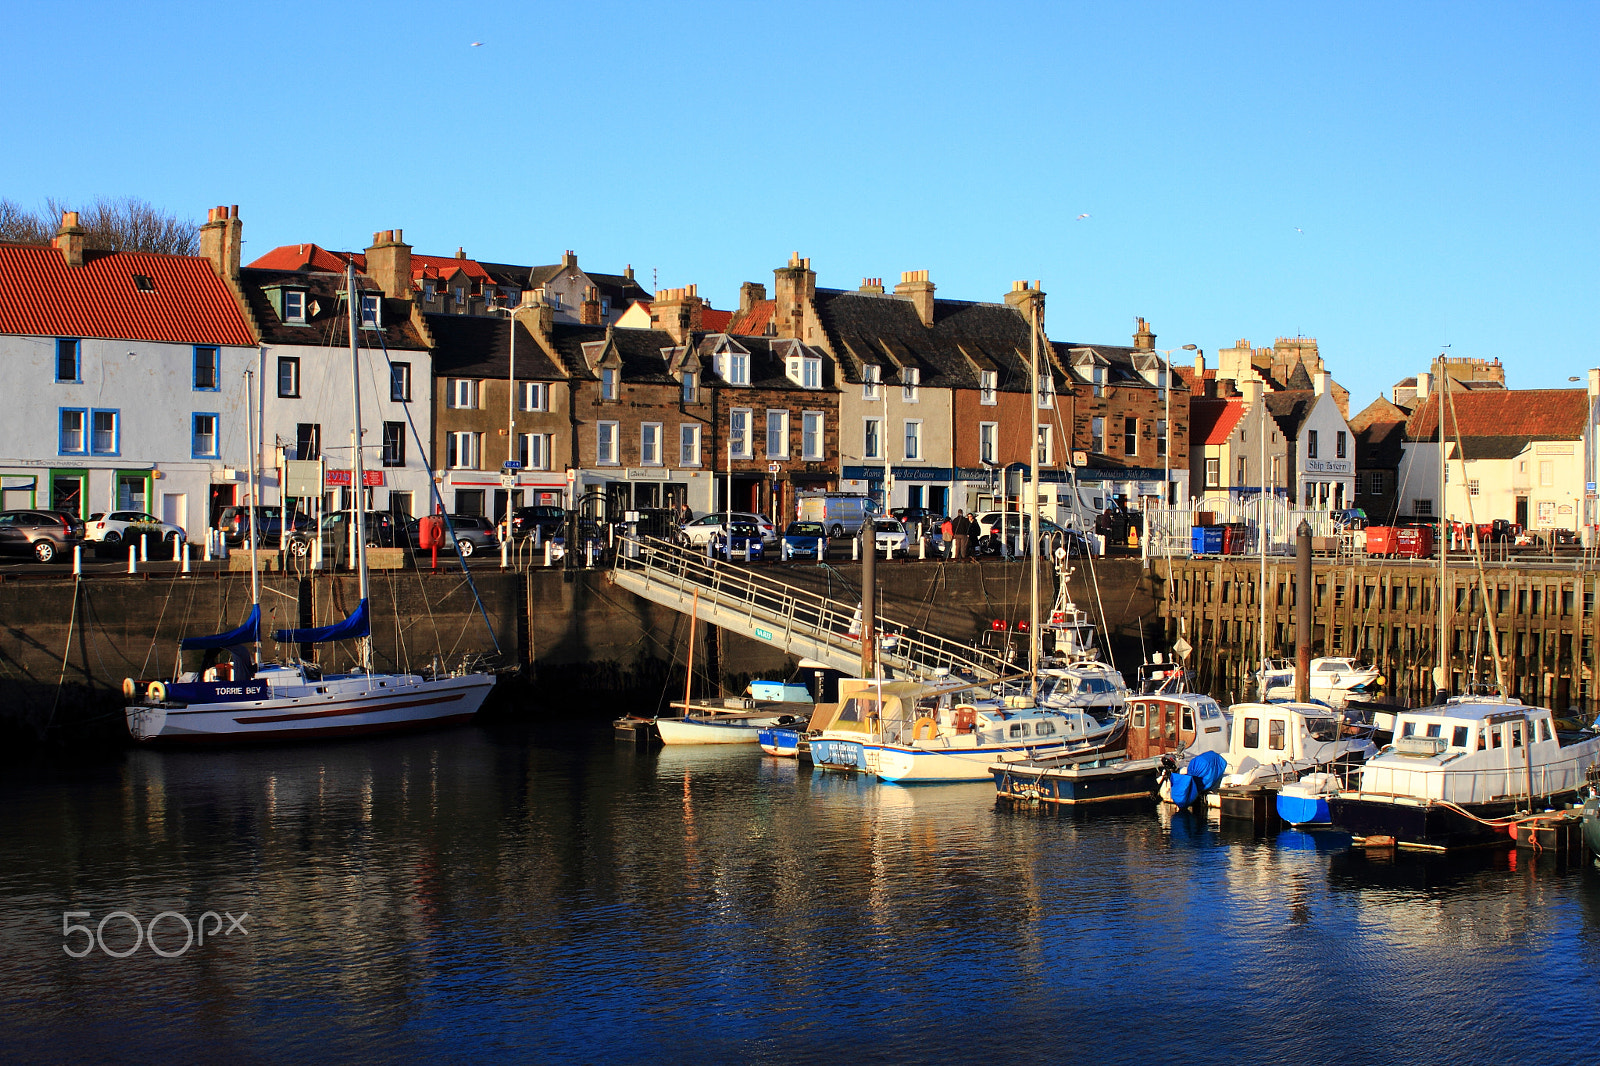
(234,696)
(1304,803)
(1458,774)
(1334,680)
(1271,743)
(1164,732)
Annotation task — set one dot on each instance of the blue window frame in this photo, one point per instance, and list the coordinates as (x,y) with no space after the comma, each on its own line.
(105,431)
(72,426)
(203,435)
(207,368)
(69,359)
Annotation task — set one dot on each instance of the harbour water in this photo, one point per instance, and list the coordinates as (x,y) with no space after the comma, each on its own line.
(542,894)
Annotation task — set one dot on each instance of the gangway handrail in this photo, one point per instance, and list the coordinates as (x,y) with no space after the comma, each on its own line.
(799,612)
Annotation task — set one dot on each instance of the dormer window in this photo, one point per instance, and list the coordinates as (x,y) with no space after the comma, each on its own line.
(1097,378)
(811,372)
(871,378)
(691,387)
(910,378)
(986,387)
(142,283)
(371,311)
(294,307)
(427,289)
(609,383)
(1047,392)
(735,367)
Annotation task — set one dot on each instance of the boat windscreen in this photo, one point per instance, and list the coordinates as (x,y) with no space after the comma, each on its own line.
(1322,728)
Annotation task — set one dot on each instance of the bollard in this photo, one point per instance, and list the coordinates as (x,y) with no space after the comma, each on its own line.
(711,548)
(176,543)
(922,548)
(855,549)
(211,535)
(77,560)
(144,547)
(538,535)
(133,559)
(185,559)
(822,549)
(888,550)
(316,554)
(505,556)
(547,553)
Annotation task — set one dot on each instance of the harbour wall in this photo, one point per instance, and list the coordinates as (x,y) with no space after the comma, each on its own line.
(571,641)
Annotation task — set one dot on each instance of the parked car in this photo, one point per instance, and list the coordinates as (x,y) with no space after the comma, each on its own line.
(474,533)
(745,542)
(997,533)
(549,521)
(235,524)
(118,526)
(840,512)
(46,535)
(889,534)
(805,540)
(699,531)
(384,529)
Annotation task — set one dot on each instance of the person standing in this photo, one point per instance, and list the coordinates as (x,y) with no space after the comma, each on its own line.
(962,532)
(947,531)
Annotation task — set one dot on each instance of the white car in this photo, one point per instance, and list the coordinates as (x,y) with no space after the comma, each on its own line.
(118,526)
(700,530)
(890,535)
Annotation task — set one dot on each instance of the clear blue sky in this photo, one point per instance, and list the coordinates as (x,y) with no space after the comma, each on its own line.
(1387,178)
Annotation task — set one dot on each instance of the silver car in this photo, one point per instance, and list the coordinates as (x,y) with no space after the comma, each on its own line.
(699,531)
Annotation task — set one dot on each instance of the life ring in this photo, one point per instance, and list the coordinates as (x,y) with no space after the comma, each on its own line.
(917,727)
(157,692)
(129,689)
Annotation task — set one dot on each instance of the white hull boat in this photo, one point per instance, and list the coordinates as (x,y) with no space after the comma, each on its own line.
(714,729)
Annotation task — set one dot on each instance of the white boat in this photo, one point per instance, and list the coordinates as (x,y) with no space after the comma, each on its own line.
(1270,743)
(1458,773)
(241,698)
(1334,680)
(721,728)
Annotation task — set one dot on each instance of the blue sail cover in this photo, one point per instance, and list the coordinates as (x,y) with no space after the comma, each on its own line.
(357,625)
(248,633)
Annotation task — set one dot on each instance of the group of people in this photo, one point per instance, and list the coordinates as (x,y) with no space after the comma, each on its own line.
(959,533)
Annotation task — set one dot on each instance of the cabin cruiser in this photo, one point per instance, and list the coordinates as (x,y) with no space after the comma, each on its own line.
(1334,679)
(1457,773)
(1269,743)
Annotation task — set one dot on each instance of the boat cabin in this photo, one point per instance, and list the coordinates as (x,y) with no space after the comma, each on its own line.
(1264,734)
(1161,724)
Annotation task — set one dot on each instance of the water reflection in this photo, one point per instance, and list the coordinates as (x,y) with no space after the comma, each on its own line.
(542,894)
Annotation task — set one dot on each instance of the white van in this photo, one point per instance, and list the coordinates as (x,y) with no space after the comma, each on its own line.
(840,512)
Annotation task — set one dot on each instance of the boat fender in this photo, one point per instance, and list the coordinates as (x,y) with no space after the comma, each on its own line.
(129,688)
(918,726)
(157,692)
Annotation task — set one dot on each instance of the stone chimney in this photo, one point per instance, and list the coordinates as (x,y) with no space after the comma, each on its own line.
(1319,382)
(1424,385)
(221,239)
(794,287)
(1024,296)
(1143,339)
(569,260)
(678,312)
(589,313)
(750,294)
(1594,385)
(915,284)
(872,285)
(627,271)
(70,238)
(1199,365)
(1250,389)
(389,263)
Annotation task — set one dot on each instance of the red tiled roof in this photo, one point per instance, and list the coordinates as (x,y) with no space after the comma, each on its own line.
(189,304)
(303,257)
(753,323)
(1212,421)
(715,321)
(442,266)
(1532,414)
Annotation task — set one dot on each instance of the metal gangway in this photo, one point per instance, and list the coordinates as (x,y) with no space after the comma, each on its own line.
(801,622)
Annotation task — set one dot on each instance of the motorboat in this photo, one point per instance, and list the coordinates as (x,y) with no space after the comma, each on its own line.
(1271,743)
(765,706)
(1304,803)
(1334,680)
(1457,774)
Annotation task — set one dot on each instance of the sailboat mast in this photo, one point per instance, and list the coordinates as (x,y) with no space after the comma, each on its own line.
(1442,677)
(255,447)
(1033,499)
(1261,533)
(358,475)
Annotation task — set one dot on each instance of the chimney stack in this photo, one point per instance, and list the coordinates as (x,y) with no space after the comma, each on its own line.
(627,271)
(569,260)
(915,284)
(1251,389)
(794,288)
(1144,340)
(1023,296)
(678,312)
(872,285)
(1319,382)
(1199,365)
(389,263)
(221,238)
(70,238)
(589,313)
(1424,385)
(750,294)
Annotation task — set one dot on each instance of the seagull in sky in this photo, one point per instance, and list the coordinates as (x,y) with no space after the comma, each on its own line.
(477,44)
(1080,218)
(1300,231)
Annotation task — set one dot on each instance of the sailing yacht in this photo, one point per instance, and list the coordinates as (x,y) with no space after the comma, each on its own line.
(236,697)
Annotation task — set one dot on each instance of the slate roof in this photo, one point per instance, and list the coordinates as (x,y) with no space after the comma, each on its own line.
(1299,377)
(1290,409)
(479,346)
(884,331)
(1489,447)
(1213,421)
(1526,414)
(327,319)
(1379,445)
(1121,364)
(620,289)
(641,351)
(187,303)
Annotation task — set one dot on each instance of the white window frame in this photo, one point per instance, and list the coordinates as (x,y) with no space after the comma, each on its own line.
(1161,438)
(691,387)
(1097,434)
(778,423)
(1046,443)
(535,395)
(294,307)
(1047,392)
(650,444)
(812,427)
(689,444)
(462,449)
(462,394)
(610,383)
(987,382)
(534,451)
(871,379)
(1213,473)
(989,442)
(811,372)
(910,378)
(607,445)
(371,310)
(911,440)
(739,430)
(400,382)
(872,438)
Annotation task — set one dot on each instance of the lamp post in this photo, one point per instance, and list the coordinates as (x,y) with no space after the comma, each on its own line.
(1166,397)
(1199,351)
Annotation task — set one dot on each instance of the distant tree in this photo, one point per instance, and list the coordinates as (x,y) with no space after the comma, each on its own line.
(127,224)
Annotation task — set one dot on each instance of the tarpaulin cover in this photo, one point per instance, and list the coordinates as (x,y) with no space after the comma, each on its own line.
(1207,768)
(357,625)
(1185,789)
(248,633)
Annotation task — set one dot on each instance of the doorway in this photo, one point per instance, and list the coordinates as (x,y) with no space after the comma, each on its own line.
(175,509)
(66,494)
(1522,511)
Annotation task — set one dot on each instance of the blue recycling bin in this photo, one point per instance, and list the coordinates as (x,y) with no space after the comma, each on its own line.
(1207,540)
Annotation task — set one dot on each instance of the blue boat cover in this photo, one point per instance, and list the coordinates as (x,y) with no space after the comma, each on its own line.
(1207,768)
(248,633)
(1185,789)
(357,625)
